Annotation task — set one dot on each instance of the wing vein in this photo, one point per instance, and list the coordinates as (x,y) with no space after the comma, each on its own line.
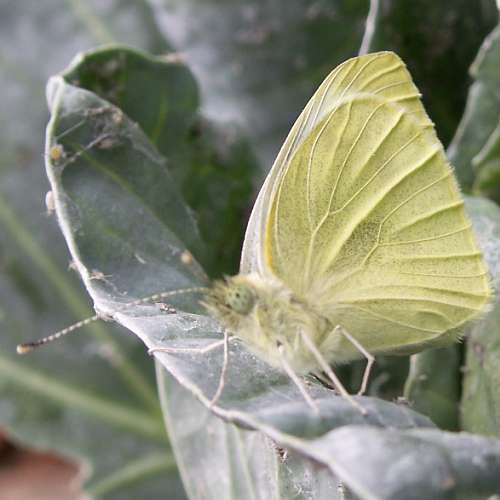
(312,152)
(362,188)
(435,275)
(401,323)
(348,155)
(418,191)
(430,238)
(430,215)
(466,255)
(419,287)
(378,75)
(407,299)
(327,90)
(414,95)
(372,208)
(311,240)
(389,86)
(311,105)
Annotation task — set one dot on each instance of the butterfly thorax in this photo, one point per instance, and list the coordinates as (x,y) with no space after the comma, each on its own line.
(265,315)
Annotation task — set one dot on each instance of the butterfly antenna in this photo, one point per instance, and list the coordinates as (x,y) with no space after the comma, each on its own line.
(30,346)
(164,295)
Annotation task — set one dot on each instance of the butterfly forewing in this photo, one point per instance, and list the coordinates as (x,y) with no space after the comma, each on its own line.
(382,74)
(363,217)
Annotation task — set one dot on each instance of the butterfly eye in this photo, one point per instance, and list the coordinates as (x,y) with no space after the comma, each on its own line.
(240,299)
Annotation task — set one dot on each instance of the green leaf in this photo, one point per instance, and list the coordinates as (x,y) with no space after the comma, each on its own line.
(433,385)
(380,463)
(257,61)
(92,400)
(213,168)
(487,164)
(480,117)
(222,461)
(111,201)
(481,391)
(438,41)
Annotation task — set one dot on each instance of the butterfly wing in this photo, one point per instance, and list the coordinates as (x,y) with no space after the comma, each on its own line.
(382,73)
(361,214)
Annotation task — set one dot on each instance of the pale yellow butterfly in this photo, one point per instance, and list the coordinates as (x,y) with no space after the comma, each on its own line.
(358,243)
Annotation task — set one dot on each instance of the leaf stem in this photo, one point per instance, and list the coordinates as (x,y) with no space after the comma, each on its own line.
(129,373)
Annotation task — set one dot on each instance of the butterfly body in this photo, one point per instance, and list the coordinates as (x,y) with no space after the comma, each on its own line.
(271,317)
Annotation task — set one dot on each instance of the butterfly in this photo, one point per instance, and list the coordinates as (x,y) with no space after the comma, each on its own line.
(358,243)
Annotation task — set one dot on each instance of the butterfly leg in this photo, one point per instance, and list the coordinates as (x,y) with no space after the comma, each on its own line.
(194,350)
(328,370)
(370,359)
(323,380)
(222,378)
(204,350)
(296,380)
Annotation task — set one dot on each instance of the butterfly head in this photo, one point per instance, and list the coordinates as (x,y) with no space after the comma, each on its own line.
(231,299)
